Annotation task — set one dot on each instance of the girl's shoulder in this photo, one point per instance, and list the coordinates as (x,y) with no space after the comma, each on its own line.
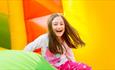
(44,40)
(43,36)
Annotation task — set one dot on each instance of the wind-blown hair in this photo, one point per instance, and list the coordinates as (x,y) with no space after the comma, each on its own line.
(70,36)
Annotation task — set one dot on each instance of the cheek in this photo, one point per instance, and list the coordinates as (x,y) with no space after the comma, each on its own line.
(64,28)
(54,28)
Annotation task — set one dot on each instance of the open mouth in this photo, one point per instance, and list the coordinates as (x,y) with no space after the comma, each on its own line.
(59,30)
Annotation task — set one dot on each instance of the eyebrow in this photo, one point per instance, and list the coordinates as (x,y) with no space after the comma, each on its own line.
(54,22)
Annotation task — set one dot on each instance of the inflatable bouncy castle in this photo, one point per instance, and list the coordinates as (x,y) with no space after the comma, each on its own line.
(21,21)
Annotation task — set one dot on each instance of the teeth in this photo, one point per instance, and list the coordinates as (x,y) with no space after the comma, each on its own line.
(59,31)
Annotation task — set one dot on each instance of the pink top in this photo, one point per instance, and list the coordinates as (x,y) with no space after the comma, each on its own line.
(54,59)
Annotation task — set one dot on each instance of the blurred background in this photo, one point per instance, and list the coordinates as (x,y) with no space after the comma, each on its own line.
(21,21)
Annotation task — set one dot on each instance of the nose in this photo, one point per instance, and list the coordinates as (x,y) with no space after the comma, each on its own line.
(59,26)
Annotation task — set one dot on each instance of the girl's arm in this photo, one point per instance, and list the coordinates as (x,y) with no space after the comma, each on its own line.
(37,43)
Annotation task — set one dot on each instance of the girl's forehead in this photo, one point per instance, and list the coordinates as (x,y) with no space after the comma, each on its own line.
(58,18)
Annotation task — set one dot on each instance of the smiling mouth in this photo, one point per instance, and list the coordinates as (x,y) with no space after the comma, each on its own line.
(59,30)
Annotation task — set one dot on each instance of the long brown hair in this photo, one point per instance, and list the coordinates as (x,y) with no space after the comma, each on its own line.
(70,36)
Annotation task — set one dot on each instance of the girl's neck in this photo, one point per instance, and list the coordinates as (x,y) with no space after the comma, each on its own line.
(60,40)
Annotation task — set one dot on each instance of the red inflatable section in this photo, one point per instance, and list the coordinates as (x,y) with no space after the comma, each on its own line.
(37,9)
(33,9)
(34,30)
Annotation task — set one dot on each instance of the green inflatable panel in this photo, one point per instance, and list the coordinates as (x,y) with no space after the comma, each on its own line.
(20,60)
(5,40)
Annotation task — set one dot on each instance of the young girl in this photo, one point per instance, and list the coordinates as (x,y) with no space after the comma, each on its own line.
(56,45)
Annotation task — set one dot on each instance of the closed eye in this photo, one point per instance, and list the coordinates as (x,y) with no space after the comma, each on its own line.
(55,24)
(61,24)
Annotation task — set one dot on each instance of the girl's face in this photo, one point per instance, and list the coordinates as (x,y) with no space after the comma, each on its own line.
(58,26)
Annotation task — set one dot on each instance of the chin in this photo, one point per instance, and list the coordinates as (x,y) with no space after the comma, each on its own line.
(59,35)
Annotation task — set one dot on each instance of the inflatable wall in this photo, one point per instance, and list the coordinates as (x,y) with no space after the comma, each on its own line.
(21,21)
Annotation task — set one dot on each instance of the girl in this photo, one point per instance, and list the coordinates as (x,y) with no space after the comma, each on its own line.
(56,45)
